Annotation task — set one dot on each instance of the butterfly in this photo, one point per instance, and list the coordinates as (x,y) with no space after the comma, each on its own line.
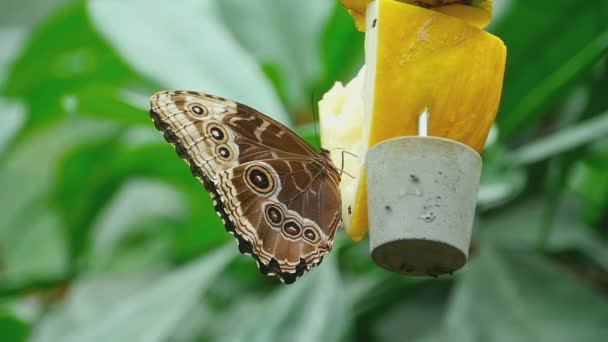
(275,194)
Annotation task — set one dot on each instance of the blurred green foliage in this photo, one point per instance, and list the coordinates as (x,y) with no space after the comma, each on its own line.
(105,235)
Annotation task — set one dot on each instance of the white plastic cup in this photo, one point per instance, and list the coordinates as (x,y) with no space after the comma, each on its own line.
(421,202)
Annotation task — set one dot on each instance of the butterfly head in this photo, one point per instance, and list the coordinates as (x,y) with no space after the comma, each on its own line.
(328,163)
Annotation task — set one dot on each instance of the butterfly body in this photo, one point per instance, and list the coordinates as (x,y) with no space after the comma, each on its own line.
(275,194)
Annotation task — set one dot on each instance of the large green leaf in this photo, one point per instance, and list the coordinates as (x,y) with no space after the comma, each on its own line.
(203,229)
(84,186)
(516,295)
(184,46)
(102,168)
(294,48)
(40,230)
(146,314)
(29,222)
(136,229)
(415,312)
(108,103)
(526,224)
(61,57)
(341,50)
(545,61)
(563,141)
(315,308)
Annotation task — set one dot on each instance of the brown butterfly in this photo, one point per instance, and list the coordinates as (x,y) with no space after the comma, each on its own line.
(275,194)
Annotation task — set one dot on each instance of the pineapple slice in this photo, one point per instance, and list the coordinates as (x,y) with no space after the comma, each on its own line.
(341,116)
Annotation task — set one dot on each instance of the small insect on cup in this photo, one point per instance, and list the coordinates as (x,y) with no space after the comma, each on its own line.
(421,202)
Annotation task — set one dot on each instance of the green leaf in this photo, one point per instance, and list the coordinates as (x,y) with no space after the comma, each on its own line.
(294,48)
(40,230)
(153,312)
(524,225)
(104,167)
(501,180)
(416,311)
(63,56)
(563,141)
(184,46)
(203,229)
(313,309)
(598,88)
(137,228)
(12,40)
(107,103)
(515,295)
(310,134)
(29,12)
(85,171)
(13,116)
(12,329)
(341,49)
(587,179)
(545,62)
(275,75)
(29,222)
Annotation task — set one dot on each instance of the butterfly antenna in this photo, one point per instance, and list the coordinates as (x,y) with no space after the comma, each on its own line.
(315,119)
(344,151)
(342,163)
(346,173)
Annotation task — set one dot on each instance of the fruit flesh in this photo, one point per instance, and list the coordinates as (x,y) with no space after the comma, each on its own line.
(476,12)
(426,59)
(341,116)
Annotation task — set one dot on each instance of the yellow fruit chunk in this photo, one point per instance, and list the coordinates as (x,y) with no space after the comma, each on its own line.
(416,58)
(479,17)
(476,12)
(341,116)
(356,9)
(426,59)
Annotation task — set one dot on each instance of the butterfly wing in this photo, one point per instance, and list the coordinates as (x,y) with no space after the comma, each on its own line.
(218,133)
(275,194)
(284,213)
